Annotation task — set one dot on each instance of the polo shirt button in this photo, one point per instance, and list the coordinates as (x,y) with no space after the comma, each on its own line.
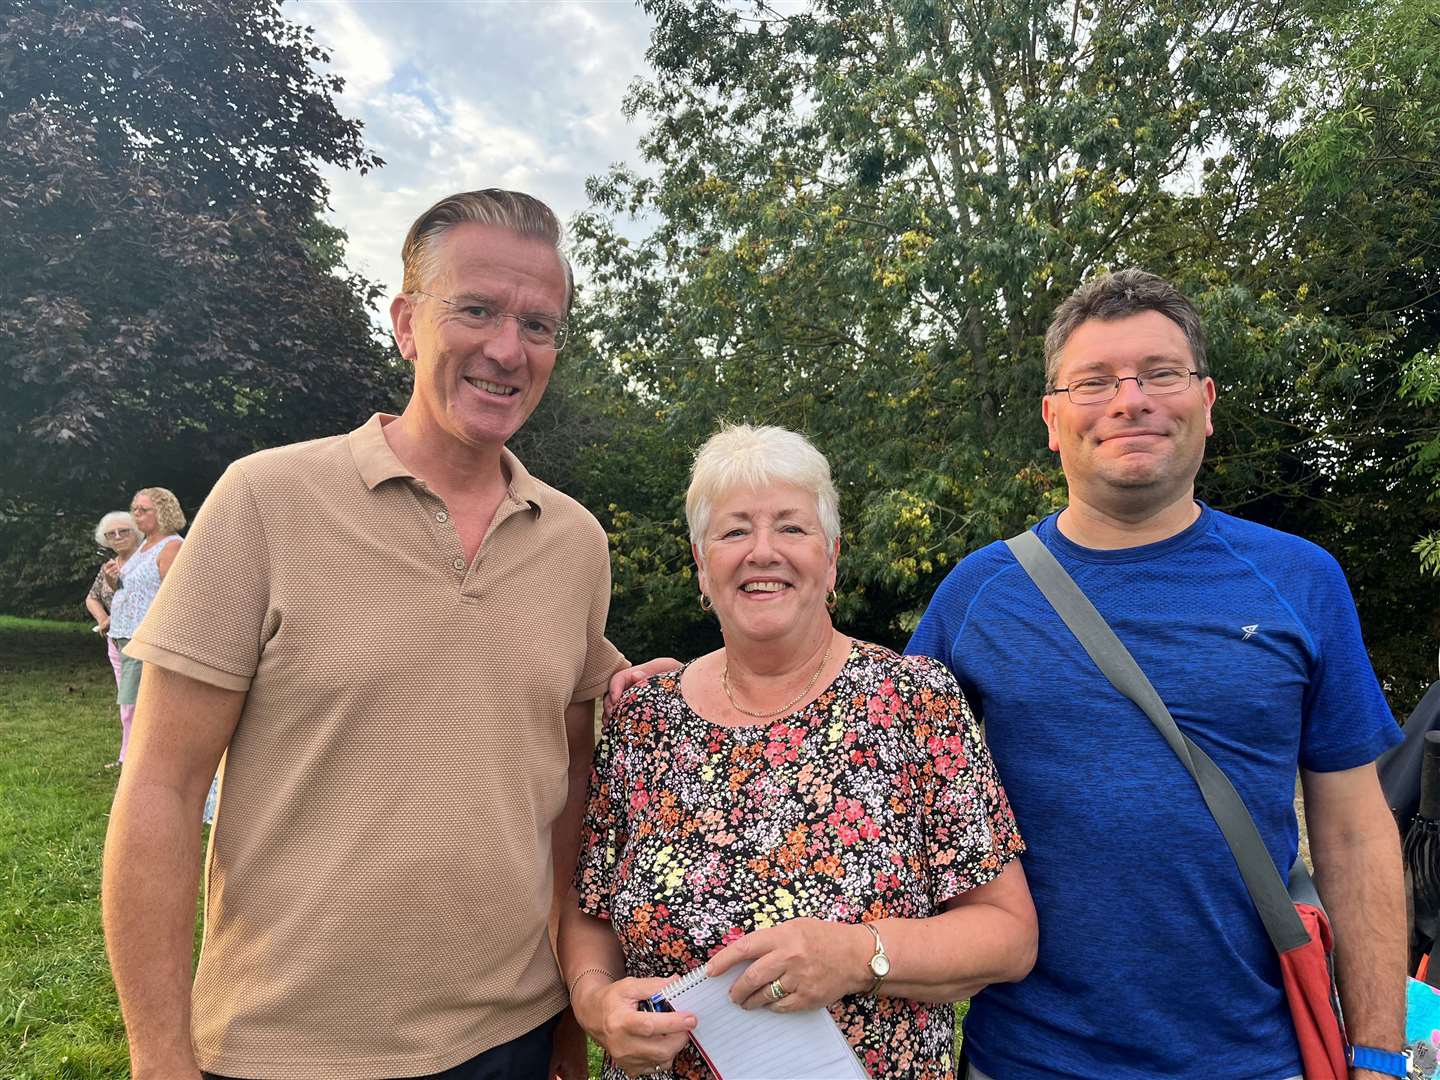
(459,564)
(441,515)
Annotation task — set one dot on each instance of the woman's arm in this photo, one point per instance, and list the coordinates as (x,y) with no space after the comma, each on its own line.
(607,1004)
(985,935)
(167,556)
(98,612)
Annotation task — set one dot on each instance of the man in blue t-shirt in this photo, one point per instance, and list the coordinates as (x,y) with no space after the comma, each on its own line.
(1153,961)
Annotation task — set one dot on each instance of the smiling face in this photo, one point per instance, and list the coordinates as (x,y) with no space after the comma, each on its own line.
(142,509)
(1134,451)
(477,387)
(766,564)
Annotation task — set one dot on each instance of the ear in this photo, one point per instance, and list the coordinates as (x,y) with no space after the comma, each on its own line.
(1052,422)
(402,314)
(834,565)
(1207,388)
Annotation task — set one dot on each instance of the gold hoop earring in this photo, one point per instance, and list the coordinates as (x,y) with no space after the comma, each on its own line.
(706,604)
(832,599)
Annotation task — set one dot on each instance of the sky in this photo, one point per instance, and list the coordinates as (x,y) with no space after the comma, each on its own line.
(463,94)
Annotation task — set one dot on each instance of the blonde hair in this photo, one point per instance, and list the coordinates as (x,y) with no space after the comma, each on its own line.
(748,456)
(522,214)
(169,518)
(114,515)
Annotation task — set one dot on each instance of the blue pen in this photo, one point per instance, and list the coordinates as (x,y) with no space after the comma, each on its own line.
(657,1003)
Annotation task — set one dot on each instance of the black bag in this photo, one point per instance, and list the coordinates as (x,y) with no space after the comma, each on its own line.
(1399,767)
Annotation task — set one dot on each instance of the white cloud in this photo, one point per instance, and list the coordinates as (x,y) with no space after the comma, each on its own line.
(462,95)
(357,53)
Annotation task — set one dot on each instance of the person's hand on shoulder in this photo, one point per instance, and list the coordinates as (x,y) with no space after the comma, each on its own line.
(625,678)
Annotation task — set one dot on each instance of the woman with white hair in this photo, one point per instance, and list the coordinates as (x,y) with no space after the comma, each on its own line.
(818,807)
(159,519)
(117,532)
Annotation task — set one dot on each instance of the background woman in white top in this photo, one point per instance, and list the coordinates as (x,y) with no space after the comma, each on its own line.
(159,518)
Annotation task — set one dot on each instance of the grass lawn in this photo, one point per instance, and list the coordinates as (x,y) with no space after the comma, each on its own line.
(59,1019)
(58,727)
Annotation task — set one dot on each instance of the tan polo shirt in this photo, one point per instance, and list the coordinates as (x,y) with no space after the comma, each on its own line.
(379,876)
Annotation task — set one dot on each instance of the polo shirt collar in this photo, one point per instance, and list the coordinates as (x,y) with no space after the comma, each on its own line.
(377,463)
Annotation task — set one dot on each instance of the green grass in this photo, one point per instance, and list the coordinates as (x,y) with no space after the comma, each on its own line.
(58,726)
(59,1019)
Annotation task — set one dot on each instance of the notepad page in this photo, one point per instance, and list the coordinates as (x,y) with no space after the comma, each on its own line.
(761,1044)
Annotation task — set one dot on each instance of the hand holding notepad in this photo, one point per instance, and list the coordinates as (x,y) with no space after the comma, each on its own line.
(760,1044)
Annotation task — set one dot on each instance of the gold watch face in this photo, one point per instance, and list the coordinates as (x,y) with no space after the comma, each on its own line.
(880,965)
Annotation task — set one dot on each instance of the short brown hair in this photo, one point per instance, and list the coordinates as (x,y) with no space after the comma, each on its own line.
(169,518)
(513,210)
(1117,296)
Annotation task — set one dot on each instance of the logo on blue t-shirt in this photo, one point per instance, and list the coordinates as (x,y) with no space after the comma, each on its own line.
(1249,630)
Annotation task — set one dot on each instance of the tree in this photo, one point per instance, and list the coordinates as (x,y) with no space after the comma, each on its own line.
(866,215)
(168,297)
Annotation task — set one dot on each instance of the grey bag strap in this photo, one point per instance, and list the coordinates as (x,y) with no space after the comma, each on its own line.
(1267,889)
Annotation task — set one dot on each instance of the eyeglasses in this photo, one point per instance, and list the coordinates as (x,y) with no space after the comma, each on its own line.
(477,313)
(1100,388)
(116,534)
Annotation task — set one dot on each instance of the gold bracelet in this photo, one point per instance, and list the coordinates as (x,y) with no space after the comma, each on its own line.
(603,971)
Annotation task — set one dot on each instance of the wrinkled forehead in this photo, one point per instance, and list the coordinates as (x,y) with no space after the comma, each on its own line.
(771,501)
(489,261)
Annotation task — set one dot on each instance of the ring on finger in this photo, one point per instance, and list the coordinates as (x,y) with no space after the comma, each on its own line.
(776,990)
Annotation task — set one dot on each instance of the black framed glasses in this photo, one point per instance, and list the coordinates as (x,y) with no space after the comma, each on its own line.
(477,313)
(1157,382)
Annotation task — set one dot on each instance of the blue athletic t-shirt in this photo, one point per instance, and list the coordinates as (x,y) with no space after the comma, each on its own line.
(1152,960)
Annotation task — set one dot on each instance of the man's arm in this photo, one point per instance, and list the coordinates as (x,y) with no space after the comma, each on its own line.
(568,1058)
(152,863)
(1356,851)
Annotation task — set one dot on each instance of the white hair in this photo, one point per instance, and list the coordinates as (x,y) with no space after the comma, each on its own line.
(748,456)
(106,522)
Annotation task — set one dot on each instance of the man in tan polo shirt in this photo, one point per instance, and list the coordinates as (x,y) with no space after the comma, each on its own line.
(395,637)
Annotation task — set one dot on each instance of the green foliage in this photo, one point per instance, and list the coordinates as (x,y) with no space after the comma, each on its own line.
(168,299)
(863,216)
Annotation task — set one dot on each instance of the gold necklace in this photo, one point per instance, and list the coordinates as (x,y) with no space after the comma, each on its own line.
(725,685)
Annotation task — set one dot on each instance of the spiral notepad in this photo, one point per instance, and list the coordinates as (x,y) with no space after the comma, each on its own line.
(760,1044)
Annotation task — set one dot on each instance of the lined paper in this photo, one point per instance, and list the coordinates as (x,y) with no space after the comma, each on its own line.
(761,1044)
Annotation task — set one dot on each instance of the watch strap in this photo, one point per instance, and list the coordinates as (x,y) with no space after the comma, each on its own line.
(1381,1061)
(879,951)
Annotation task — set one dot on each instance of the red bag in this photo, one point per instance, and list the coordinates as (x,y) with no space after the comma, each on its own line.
(1309,974)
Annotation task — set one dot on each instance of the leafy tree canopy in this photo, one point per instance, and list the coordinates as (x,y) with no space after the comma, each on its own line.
(169,299)
(865,215)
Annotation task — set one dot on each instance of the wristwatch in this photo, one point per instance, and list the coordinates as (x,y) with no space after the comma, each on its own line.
(1381,1061)
(879,963)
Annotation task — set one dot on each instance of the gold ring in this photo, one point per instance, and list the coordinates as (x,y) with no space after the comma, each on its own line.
(776,990)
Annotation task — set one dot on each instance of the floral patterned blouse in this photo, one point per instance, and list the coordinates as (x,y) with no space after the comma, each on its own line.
(878,799)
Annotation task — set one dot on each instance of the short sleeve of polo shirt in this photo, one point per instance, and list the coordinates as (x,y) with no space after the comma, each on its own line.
(209,620)
(602,659)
